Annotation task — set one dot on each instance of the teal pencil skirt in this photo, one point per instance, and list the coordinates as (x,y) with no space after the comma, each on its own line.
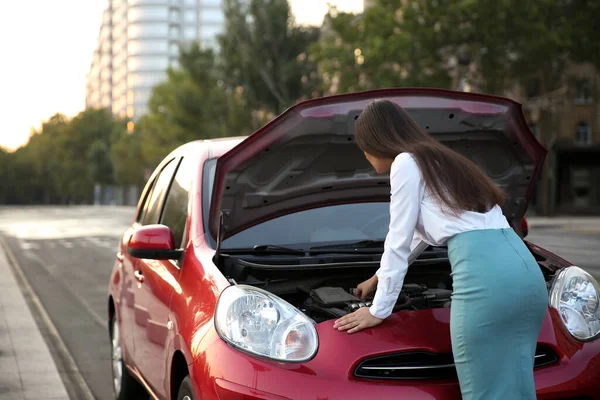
(498,306)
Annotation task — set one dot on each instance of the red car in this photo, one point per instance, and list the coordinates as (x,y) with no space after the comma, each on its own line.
(244,251)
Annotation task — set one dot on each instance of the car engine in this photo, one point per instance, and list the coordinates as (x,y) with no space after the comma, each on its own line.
(328,302)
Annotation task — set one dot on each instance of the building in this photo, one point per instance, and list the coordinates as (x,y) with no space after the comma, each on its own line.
(567,122)
(368,3)
(99,80)
(137,42)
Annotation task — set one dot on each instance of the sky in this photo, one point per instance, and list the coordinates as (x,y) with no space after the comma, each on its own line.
(47,49)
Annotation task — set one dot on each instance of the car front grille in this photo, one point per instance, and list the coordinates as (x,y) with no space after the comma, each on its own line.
(424,365)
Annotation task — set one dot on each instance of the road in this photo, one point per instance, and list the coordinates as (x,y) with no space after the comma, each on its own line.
(67,255)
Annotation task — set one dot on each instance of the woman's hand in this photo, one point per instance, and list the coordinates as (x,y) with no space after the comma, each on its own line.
(357,321)
(366,288)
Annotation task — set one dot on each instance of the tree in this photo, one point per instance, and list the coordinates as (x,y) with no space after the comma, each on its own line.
(581,31)
(42,154)
(389,45)
(100,165)
(507,40)
(127,158)
(264,52)
(73,146)
(418,42)
(193,103)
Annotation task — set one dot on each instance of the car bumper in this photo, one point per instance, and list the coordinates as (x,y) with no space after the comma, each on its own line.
(224,373)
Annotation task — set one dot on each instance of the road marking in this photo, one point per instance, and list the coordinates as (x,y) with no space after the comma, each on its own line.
(72,379)
(28,245)
(66,244)
(97,318)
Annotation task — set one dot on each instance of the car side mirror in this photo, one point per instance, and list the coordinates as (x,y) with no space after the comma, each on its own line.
(153,242)
(524,227)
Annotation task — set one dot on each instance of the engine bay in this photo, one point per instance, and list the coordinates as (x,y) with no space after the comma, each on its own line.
(326,289)
(327,302)
(323,287)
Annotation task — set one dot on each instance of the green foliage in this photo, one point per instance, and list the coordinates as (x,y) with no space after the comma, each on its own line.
(191,104)
(389,45)
(264,52)
(126,155)
(410,42)
(266,62)
(100,165)
(62,161)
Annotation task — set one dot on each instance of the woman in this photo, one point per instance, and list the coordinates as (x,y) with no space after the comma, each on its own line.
(438,196)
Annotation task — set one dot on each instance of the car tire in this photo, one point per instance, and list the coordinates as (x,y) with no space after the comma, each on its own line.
(186,391)
(128,388)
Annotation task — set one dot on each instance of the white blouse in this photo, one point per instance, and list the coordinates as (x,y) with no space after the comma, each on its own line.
(416,216)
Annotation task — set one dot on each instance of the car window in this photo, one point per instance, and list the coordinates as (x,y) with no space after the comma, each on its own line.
(158,193)
(176,206)
(338,223)
(144,206)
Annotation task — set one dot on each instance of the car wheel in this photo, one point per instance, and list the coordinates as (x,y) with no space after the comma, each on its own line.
(186,392)
(125,386)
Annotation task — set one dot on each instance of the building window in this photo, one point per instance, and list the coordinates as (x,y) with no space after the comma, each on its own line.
(583,133)
(190,16)
(147,13)
(191,33)
(148,46)
(147,30)
(174,49)
(583,92)
(174,31)
(147,63)
(214,15)
(174,15)
(145,79)
(211,31)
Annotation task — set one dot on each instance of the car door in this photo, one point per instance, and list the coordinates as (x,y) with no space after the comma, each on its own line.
(128,265)
(158,278)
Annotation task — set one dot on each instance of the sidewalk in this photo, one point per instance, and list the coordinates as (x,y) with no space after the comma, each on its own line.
(27,370)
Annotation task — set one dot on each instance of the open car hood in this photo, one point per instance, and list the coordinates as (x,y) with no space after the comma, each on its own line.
(307,157)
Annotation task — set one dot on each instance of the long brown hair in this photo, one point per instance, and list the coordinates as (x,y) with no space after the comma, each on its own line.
(385,130)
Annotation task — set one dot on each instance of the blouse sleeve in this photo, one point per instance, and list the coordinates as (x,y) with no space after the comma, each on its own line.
(406,195)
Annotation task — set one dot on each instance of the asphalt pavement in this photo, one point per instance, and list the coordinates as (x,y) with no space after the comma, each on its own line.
(66,255)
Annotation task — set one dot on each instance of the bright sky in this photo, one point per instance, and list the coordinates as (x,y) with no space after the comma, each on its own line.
(47,49)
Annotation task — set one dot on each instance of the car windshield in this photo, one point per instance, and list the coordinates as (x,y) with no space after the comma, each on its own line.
(325,225)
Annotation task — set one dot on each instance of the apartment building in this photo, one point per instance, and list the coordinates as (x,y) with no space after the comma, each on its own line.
(137,42)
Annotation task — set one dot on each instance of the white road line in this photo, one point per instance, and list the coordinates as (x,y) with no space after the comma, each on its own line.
(29,245)
(66,243)
(95,316)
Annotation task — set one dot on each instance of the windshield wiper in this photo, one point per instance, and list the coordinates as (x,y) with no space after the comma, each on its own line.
(345,247)
(268,249)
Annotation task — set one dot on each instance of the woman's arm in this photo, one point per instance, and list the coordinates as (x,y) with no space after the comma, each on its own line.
(405,202)
(417,246)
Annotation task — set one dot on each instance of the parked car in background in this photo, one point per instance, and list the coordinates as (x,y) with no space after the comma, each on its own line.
(243,251)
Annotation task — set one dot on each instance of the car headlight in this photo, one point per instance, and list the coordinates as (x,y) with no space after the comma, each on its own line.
(574,295)
(263,324)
